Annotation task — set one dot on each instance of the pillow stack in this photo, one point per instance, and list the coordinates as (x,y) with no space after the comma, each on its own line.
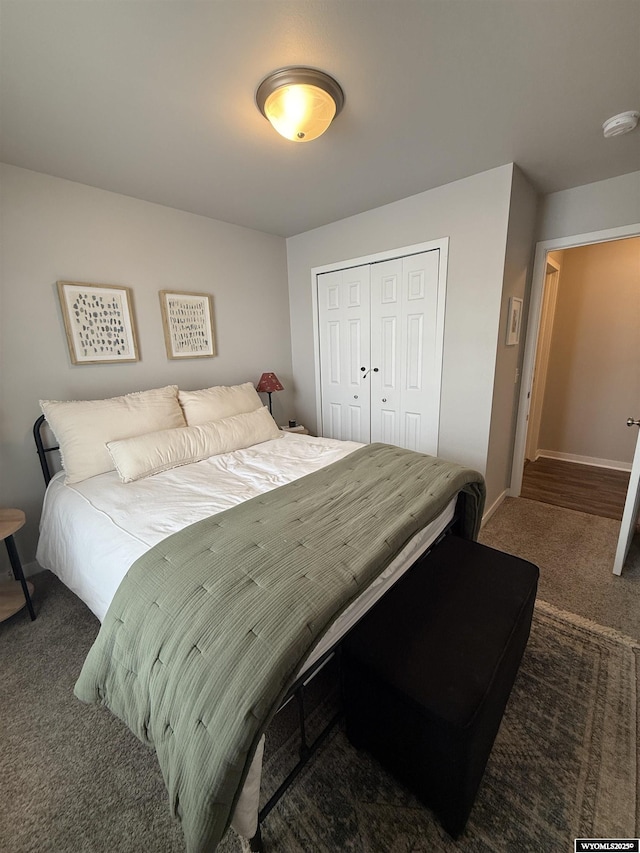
(148,432)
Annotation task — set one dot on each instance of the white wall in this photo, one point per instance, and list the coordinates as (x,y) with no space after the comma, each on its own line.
(592,207)
(473,213)
(506,387)
(54,229)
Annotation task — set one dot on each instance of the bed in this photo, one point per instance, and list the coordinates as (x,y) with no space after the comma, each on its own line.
(216,454)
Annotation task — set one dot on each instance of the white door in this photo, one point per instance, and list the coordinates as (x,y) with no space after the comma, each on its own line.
(631,508)
(421,354)
(344,326)
(405,356)
(380,336)
(386,351)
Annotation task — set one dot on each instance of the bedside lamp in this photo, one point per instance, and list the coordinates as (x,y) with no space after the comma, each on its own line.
(269,383)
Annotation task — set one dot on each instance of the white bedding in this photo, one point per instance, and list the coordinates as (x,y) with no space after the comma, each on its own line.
(91,532)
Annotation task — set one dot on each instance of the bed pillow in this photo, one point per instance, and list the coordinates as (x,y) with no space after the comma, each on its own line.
(221,401)
(83,427)
(145,455)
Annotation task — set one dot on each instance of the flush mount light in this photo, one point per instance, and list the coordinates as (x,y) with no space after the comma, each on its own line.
(300,103)
(622,123)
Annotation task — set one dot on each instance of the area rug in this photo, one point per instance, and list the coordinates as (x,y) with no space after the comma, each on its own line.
(73,778)
(564,764)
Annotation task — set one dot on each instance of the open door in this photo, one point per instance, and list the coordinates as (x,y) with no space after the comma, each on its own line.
(631,508)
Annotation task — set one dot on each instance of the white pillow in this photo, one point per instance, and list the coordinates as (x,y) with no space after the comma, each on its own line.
(145,455)
(221,401)
(83,427)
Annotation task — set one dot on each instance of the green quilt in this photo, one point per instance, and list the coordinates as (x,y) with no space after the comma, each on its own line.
(210,627)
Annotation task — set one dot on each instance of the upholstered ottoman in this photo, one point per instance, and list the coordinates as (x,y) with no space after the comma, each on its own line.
(427,673)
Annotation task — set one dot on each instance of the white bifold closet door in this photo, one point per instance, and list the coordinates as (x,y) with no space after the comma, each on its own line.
(345,353)
(380,353)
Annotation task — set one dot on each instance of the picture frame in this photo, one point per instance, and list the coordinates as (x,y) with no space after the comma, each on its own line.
(514,321)
(99,322)
(187,320)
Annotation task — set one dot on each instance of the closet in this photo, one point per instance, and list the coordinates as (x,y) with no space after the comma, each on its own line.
(380,333)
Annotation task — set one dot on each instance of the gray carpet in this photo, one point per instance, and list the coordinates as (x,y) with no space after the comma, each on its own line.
(72,778)
(575,553)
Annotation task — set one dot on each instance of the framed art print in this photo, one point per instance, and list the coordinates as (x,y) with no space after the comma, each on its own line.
(514,321)
(98,322)
(187,319)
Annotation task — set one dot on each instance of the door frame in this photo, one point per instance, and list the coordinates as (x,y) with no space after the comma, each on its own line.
(533,330)
(442,244)
(541,364)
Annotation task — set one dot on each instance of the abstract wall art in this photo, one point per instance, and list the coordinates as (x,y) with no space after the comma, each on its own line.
(98,322)
(188,324)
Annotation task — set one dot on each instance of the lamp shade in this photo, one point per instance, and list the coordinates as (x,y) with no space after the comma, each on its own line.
(268,383)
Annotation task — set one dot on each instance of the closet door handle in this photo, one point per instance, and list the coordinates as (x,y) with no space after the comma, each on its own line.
(632,422)
(375,370)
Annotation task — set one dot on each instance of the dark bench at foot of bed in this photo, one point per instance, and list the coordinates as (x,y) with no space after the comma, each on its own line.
(428,672)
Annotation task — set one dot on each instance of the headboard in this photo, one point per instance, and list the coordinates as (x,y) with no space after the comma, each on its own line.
(43,447)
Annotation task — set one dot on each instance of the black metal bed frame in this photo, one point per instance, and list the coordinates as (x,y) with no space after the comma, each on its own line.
(295,692)
(42,450)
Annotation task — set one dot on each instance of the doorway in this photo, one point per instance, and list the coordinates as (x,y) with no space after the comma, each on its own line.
(572,446)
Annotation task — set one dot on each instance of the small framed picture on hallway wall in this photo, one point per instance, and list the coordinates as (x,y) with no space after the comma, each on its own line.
(514,320)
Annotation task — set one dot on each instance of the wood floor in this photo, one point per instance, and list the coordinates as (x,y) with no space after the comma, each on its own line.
(598,491)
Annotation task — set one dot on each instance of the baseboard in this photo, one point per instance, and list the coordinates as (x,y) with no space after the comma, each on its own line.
(494,506)
(585,460)
(31,568)
(28,569)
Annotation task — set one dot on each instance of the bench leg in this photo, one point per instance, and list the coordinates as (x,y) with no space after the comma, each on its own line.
(255,844)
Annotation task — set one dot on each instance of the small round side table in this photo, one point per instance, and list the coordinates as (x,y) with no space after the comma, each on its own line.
(11,598)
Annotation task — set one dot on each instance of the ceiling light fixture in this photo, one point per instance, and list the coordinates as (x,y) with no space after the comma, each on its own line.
(622,123)
(300,103)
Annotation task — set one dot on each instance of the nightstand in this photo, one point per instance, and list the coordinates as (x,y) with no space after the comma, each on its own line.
(301,430)
(12,598)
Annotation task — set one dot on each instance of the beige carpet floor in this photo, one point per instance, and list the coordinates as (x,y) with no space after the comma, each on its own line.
(574,552)
(74,780)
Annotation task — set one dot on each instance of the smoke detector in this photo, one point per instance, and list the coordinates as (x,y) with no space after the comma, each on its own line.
(622,123)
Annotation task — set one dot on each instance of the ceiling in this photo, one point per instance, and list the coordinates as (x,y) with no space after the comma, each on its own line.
(155,99)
